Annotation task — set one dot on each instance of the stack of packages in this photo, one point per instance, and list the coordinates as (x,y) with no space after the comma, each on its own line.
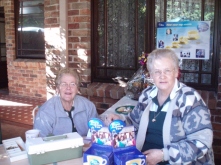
(112,145)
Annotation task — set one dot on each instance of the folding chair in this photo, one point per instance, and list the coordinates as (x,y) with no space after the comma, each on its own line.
(34,112)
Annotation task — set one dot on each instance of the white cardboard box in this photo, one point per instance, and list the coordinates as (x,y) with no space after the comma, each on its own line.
(15,148)
(54,149)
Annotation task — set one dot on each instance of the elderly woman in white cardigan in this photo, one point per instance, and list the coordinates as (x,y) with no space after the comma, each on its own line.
(172,120)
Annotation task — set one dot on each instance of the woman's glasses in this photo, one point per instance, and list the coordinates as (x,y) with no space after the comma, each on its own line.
(166,72)
(65,85)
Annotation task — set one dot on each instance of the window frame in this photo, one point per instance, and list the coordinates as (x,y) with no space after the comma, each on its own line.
(150,43)
(216,51)
(17,16)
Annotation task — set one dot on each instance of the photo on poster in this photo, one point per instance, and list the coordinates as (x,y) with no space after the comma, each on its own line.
(169,31)
(188,39)
(184,54)
(160,44)
(175,37)
(200,53)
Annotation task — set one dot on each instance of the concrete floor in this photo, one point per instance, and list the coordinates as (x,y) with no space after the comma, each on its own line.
(16,114)
(11,130)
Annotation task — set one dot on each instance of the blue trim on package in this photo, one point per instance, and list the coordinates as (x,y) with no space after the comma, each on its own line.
(95,124)
(116,126)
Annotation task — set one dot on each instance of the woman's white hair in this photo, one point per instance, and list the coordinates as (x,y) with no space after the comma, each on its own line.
(162,53)
(65,71)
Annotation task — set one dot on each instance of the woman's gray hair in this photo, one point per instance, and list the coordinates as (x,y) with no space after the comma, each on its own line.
(162,53)
(65,71)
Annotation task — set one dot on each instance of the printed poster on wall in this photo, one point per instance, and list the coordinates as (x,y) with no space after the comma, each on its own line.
(189,39)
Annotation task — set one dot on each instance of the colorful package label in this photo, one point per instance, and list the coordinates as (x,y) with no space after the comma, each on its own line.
(117,135)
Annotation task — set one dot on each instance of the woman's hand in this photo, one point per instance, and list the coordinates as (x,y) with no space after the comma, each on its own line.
(110,117)
(153,156)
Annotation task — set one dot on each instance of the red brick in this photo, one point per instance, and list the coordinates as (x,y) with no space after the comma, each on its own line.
(117,92)
(86,78)
(91,90)
(101,90)
(85,12)
(80,33)
(110,100)
(51,20)
(215,112)
(216,126)
(96,99)
(217,149)
(100,111)
(216,134)
(73,12)
(217,119)
(73,26)
(74,39)
(54,14)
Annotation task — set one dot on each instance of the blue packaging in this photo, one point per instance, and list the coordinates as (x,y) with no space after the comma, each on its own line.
(101,151)
(129,156)
(112,145)
(99,155)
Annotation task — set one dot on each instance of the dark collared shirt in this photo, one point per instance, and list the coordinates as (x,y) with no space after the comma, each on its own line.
(154,137)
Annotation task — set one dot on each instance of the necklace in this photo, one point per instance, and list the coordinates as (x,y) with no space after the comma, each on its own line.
(155,116)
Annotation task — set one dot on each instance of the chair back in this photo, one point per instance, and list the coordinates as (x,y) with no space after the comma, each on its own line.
(34,112)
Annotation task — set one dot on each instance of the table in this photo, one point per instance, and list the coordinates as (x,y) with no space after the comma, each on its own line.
(122,102)
(4,159)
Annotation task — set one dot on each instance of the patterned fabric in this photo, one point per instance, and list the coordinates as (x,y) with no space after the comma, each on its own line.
(187,132)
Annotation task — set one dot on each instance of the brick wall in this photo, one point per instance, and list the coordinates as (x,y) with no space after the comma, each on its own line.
(24,76)
(35,78)
(79,36)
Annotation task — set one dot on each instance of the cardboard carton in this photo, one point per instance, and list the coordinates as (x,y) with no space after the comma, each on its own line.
(54,149)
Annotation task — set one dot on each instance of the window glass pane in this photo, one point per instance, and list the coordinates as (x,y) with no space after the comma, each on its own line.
(120,36)
(141,26)
(120,33)
(190,77)
(33,3)
(179,10)
(101,36)
(2,40)
(159,11)
(190,65)
(30,10)
(209,10)
(29,7)
(31,23)
(3,52)
(119,73)
(207,65)
(32,39)
(30,33)
(101,72)
(206,78)
(30,53)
